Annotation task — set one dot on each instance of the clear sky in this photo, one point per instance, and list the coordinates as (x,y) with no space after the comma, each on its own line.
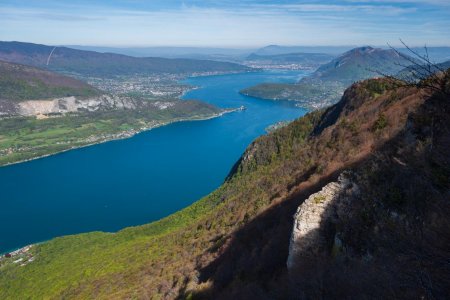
(225,23)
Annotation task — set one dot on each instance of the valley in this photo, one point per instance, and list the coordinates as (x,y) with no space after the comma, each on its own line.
(217,150)
(346,174)
(130,181)
(43,113)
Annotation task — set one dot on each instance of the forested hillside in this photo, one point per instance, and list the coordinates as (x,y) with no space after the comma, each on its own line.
(387,235)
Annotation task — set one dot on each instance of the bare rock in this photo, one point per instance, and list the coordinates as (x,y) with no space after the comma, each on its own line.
(308,238)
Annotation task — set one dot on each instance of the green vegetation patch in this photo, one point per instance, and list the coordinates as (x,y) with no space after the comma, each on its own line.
(25,138)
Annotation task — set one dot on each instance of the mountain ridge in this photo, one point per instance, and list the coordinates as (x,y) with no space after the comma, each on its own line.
(91,63)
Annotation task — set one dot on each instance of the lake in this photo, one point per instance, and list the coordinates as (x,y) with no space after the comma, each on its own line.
(141,179)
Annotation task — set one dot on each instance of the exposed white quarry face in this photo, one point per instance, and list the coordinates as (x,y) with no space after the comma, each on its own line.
(306,237)
(31,108)
(73,104)
(163,105)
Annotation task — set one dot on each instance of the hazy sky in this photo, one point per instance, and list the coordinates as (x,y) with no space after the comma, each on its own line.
(244,23)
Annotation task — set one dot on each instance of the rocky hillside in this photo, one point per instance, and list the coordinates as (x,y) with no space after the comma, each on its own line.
(347,202)
(30,91)
(326,85)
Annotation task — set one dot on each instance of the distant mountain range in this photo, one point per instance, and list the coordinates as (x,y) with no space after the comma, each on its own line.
(90,63)
(309,59)
(327,84)
(437,54)
(276,49)
(169,52)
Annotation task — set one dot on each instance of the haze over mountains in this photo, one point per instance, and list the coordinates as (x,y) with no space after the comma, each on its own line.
(437,54)
(170,52)
(92,63)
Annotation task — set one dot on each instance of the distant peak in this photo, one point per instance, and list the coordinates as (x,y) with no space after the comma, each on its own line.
(362,50)
(366,48)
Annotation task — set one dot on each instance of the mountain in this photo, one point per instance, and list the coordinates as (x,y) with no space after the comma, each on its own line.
(359,64)
(436,54)
(276,49)
(20,82)
(306,60)
(170,52)
(90,63)
(329,81)
(345,202)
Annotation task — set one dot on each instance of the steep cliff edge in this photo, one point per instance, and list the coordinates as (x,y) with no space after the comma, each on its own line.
(381,230)
(370,185)
(388,239)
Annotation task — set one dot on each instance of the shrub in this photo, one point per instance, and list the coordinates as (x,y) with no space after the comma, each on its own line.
(380,123)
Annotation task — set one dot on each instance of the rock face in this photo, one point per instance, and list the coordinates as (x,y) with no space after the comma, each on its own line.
(307,238)
(74,104)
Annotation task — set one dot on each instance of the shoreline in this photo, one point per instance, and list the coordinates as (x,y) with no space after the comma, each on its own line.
(126,135)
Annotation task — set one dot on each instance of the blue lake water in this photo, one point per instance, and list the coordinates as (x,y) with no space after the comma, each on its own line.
(141,179)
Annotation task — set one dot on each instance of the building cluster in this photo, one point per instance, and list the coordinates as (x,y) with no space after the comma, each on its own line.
(149,86)
(20,256)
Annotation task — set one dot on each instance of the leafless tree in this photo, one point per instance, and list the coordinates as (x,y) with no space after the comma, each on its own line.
(419,71)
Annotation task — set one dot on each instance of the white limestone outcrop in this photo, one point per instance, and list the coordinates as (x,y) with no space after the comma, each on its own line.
(307,238)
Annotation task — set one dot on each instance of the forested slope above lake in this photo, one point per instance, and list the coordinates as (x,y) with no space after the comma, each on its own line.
(376,165)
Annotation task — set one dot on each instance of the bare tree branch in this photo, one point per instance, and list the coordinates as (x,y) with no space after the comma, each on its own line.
(419,71)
